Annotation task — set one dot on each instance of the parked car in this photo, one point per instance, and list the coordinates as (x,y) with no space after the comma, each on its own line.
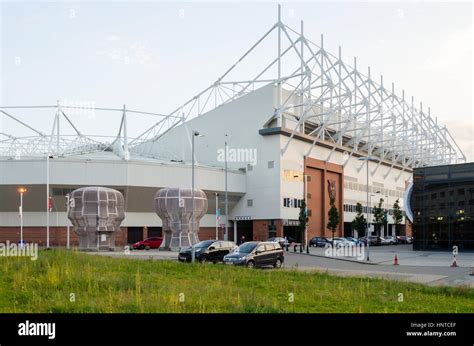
(355,241)
(339,242)
(401,239)
(281,240)
(374,240)
(384,241)
(319,241)
(150,243)
(391,240)
(256,254)
(207,251)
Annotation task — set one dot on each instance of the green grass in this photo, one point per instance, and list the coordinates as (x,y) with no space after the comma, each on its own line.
(109,285)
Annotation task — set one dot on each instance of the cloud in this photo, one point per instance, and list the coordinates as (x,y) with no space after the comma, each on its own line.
(400,13)
(113,38)
(452,49)
(135,52)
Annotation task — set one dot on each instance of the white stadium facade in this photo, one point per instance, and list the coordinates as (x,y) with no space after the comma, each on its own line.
(300,127)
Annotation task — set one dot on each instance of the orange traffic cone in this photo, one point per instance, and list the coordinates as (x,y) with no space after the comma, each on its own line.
(395,261)
(455,263)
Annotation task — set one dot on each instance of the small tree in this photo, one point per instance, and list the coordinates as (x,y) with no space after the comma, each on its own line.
(359,223)
(397,215)
(333,221)
(303,219)
(379,215)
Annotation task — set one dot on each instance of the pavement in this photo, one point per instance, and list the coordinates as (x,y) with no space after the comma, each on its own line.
(430,268)
(408,257)
(430,275)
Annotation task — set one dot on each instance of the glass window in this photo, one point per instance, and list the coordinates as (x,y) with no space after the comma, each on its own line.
(269,247)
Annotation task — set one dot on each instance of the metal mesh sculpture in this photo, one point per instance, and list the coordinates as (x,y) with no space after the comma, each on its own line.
(96,213)
(175,208)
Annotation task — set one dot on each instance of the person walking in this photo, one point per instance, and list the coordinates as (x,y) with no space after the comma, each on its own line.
(242,240)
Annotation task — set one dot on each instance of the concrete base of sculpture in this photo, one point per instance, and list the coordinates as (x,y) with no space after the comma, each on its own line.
(93,241)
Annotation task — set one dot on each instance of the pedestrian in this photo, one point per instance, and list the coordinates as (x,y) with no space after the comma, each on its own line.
(242,240)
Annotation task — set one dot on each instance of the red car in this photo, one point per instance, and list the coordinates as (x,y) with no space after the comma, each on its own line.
(150,243)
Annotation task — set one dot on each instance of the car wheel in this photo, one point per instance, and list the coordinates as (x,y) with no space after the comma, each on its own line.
(277,264)
(141,247)
(251,264)
(147,248)
(203,259)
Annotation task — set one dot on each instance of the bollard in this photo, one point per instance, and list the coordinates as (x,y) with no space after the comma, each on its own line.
(287,247)
(301,248)
(307,248)
(294,248)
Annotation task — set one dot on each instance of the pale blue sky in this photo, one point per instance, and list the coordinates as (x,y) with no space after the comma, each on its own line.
(155,55)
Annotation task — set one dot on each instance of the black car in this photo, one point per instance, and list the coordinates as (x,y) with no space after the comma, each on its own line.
(256,254)
(207,251)
(319,241)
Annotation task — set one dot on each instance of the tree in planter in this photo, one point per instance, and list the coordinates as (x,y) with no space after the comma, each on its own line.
(397,215)
(333,221)
(379,215)
(359,223)
(303,219)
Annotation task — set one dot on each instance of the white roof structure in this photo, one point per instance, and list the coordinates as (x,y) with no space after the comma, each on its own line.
(319,95)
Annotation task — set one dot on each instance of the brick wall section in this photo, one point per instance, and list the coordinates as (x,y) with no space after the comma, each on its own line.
(57,236)
(206,233)
(319,203)
(408,228)
(260,229)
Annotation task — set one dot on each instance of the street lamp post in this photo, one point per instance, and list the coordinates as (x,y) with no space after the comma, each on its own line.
(193,252)
(21,190)
(217,216)
(68,205)
(226,201)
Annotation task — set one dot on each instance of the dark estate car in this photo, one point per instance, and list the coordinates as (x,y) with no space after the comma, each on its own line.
(256,254)
(319,241)
(207,251)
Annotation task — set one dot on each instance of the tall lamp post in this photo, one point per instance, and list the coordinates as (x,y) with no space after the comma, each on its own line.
(226,201)
(68,206)
(217,216)
(367,159)
(21,190)
(193,253)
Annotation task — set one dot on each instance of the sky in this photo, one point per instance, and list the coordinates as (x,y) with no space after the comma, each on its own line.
(153,56)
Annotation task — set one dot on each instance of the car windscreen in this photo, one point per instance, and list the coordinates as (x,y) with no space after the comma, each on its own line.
(204,243)
(246,248)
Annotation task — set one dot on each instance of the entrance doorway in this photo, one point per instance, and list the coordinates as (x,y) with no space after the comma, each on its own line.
(293,233)
(134,234)
(244,228)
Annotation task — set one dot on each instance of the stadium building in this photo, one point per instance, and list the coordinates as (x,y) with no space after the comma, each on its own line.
(305,126)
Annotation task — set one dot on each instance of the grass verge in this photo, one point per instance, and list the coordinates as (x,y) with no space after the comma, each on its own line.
(61,281)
